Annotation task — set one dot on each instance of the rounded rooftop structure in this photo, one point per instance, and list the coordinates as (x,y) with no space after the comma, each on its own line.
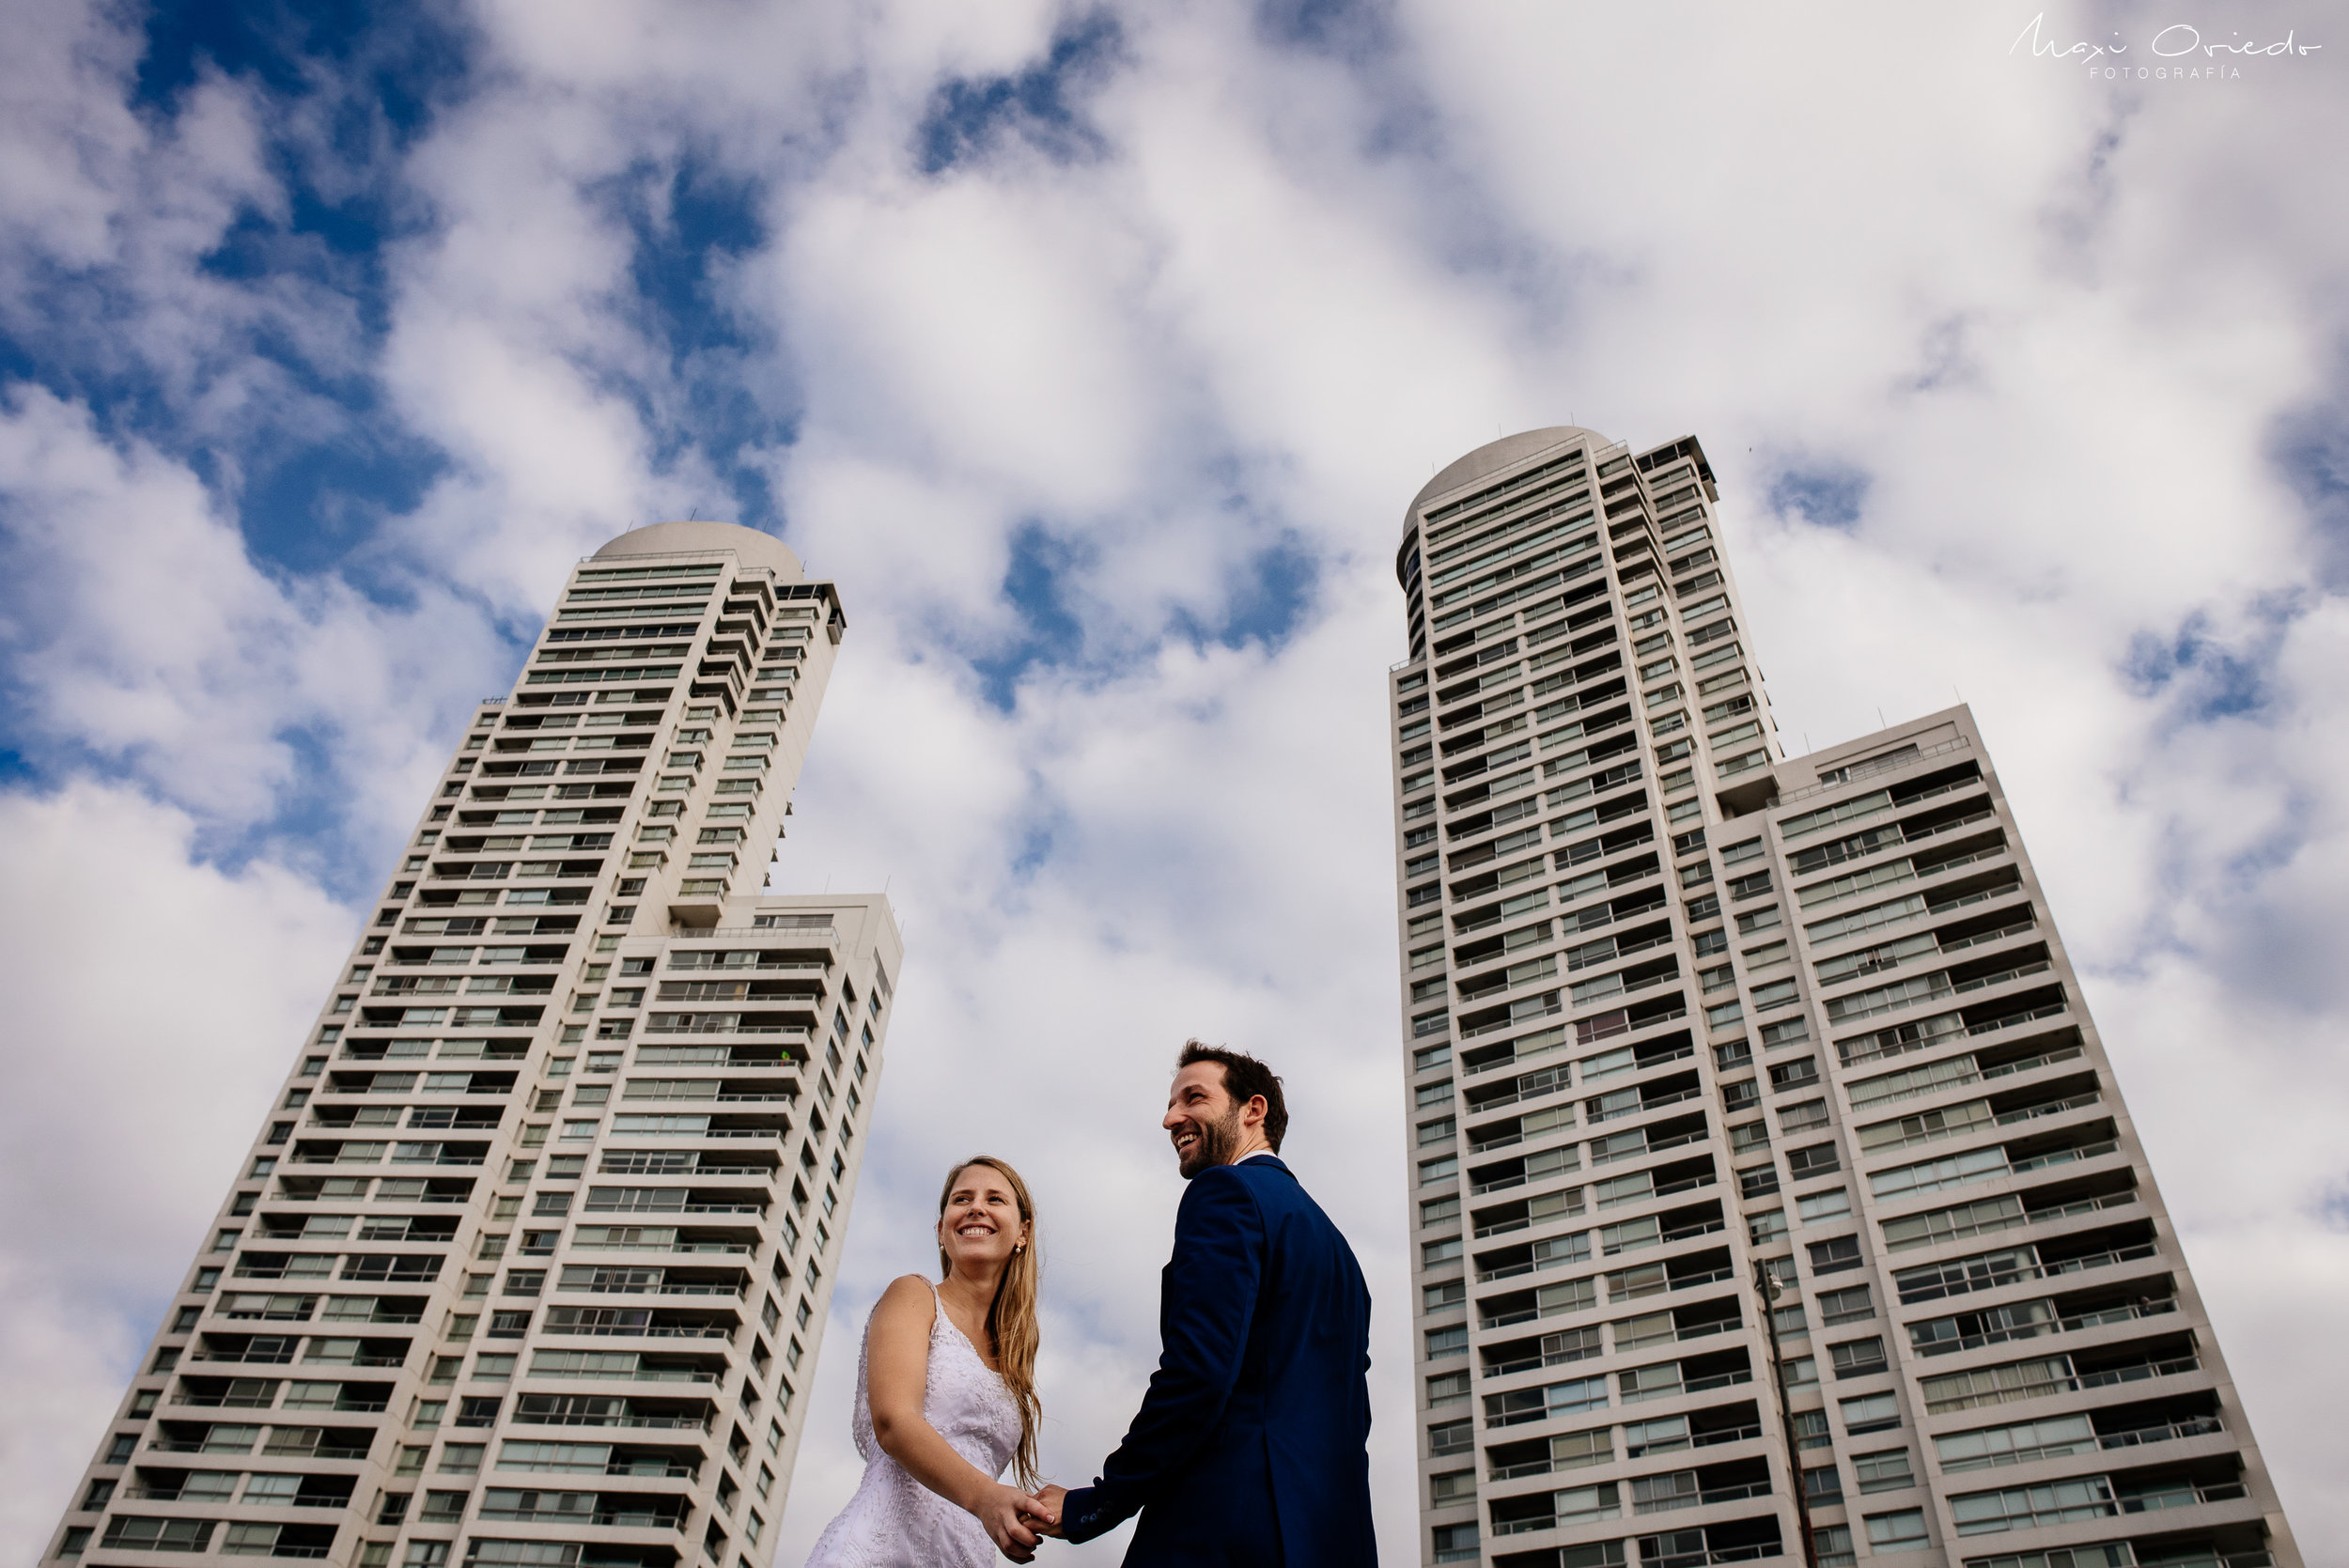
(750,546)
(1494,456)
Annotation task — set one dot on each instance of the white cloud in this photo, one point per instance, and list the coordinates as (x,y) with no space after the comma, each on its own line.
(153,1005)
(143,636)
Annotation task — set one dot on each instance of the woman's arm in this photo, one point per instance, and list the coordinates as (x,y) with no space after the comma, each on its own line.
(896,1370)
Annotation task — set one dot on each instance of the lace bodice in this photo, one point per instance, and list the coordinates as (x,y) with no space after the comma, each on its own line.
(894,1521)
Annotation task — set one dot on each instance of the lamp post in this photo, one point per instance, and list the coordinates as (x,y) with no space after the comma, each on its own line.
(1766,1285)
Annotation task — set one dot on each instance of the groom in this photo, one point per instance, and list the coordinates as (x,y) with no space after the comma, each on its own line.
(1251,1445)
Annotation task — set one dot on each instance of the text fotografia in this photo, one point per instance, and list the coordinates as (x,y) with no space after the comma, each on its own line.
(2178,53)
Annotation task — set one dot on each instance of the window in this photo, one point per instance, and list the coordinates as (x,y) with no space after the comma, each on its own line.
(1799,1371)
(1758,920)
(1442,1343)
(1869,1413)
(1832,1256)
(1810,1430)
(1833,1545)
(2054,1503)
(1823,1484)
(1845,1306)
(158,1535)
(1760,1182)
(1452,1293)
(1887,1471)
(1451,1437)
(1456,1542)
(1857,1358)
(1794,1075)
(1447,1389)
(460,1458)
(1818,1159)
(1824,1206)
(1796,1118)
(1904,1531)
(1433,1171)
(1434,1252)
(1768,1226)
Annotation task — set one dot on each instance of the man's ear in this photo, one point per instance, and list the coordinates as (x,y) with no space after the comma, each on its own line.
(1253,1112)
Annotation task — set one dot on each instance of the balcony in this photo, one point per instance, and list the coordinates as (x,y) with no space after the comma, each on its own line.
(1678,1489)
(1996,1332)
(1664,1230)
(1992,1271)
(1983,1387)
(1720,1369)
(1653,1095)
(725,1023)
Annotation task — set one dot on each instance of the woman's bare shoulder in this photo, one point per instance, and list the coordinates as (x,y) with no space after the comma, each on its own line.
(909,1300)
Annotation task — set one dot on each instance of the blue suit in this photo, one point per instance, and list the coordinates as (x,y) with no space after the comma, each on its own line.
(1250,1447)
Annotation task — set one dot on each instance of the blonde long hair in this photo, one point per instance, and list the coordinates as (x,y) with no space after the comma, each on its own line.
(1011,1319)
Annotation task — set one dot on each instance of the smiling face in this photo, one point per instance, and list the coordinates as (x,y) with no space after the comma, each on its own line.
(1204,1125)
(980,1225)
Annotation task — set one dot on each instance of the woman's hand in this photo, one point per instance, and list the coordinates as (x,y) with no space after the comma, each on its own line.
(1013,1520)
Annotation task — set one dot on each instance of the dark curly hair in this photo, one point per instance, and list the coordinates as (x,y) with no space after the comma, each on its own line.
(1244,1078)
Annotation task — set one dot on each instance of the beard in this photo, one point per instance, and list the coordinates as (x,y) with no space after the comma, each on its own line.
(1217,1141)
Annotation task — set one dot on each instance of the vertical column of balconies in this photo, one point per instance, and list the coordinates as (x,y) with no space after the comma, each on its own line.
(1532,1280)
(1976,1241)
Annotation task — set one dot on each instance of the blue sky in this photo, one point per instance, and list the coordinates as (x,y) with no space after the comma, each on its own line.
(1096,351)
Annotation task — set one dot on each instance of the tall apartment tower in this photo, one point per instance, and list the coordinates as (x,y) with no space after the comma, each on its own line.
(1774,1198)
(529,1261)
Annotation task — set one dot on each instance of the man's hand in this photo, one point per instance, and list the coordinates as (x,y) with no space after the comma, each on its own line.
(1008,1513)
(1048,1503)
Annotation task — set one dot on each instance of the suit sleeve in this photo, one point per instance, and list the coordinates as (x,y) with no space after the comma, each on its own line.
(1209,1288)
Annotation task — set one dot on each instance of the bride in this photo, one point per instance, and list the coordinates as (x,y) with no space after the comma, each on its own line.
(946,1394)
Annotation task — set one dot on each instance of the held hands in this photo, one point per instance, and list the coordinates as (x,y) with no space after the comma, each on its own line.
(1014,1520)
(1049,1500)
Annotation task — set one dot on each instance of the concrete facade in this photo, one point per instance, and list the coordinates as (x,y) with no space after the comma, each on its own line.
(1770,1174)
(530,1260)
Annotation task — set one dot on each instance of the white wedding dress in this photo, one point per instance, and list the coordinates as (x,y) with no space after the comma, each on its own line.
(894,1521)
